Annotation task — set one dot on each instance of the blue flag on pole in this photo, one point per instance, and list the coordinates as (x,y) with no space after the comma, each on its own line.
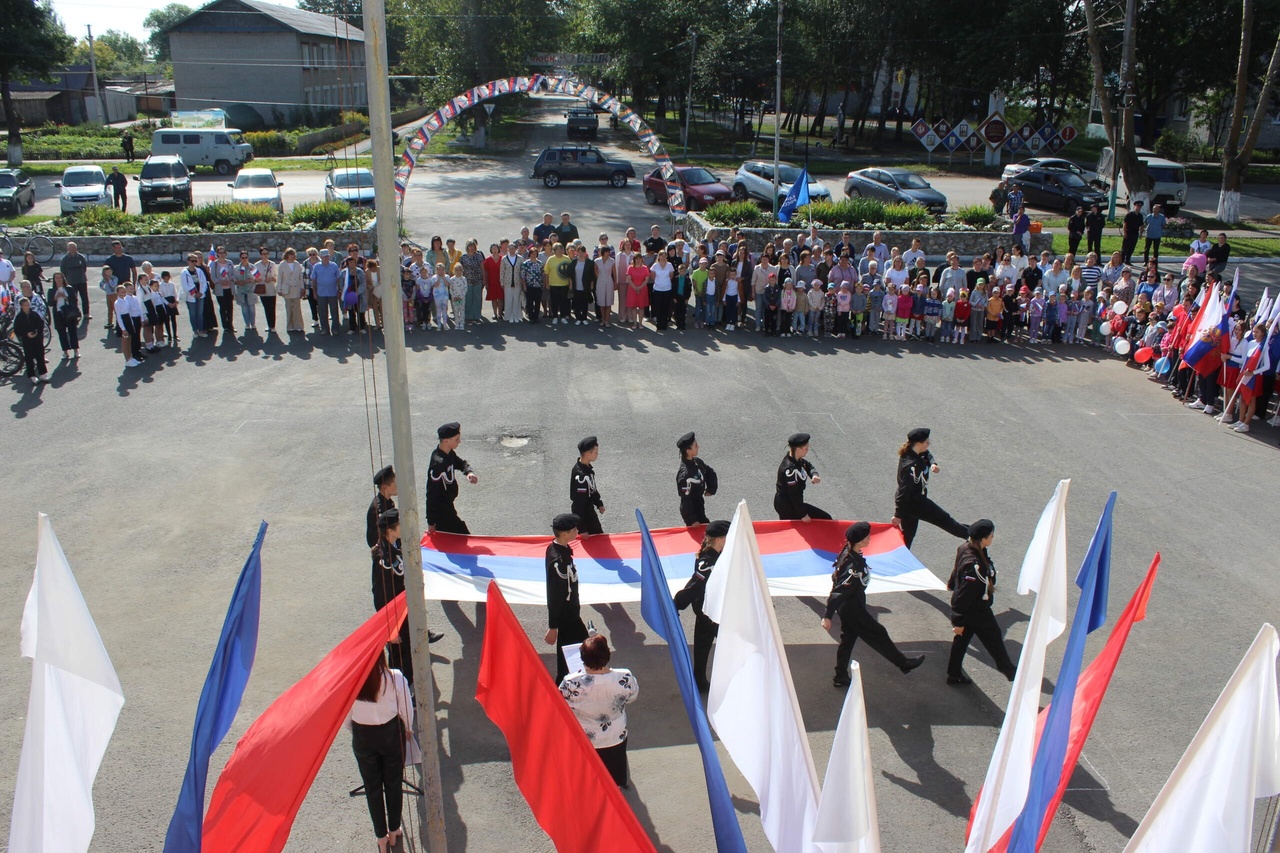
(797,196)
(659,611)
(1093,580)
(219,700)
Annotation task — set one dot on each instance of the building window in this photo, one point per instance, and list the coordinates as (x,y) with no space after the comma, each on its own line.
(306,54)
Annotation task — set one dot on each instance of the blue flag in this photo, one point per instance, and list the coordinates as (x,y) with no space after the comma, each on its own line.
(219,700)
(659,611)
(1093,580)
(797,196)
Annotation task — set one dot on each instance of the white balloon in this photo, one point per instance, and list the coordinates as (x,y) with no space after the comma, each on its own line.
(1120,307)
(1121,346)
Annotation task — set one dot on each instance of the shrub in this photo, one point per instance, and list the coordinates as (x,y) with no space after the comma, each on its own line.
(354,117)
(224,213)
(330,147)
(746,214)
(853,212)
(977,215)
(321,215)
(905,215)
(106,219)
(272,143)
(1181,147)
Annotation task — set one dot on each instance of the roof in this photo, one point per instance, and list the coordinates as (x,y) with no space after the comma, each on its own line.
(33,96)
(298,20)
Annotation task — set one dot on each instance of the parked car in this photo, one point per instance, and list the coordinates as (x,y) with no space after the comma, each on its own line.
(223,148)
(164,181)
(354,186)
(701,188)
(81,187)
(257,186)
(559,163)
(1050,189)
(896,186)
(1168,179)
(1056,164)
(17,191)
(754,179)
(582,122)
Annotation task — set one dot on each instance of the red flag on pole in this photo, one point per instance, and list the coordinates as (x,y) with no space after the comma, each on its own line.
(1090,690)
(272,768)
(554,764)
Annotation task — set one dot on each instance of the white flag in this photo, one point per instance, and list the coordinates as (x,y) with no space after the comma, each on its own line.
(71,713)
(1044,570)
(1207,804)
(752,703)
(847,811)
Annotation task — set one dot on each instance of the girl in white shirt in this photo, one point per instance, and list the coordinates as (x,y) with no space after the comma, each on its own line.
(381,723)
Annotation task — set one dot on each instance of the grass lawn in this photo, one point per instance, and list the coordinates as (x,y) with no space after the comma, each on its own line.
(1258,173)
(1176,248)
(25,220)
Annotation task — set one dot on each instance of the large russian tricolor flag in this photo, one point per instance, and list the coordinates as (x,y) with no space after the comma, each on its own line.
(797,561)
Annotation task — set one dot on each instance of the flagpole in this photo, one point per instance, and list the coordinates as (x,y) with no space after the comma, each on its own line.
(431,800)
(777,116)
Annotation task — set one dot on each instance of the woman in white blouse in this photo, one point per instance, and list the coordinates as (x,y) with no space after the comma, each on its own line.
(599,698)
(381,723)
(290,285)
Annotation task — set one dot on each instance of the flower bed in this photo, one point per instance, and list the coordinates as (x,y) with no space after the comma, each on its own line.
(216,218)
(858,214)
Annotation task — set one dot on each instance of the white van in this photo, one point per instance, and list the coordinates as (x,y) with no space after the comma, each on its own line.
(223,148)
(1169,179)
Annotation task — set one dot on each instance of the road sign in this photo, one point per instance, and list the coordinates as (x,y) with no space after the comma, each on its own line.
(973,142)
(1035,143)
(1026,131)
(1055,145)
(1014,143)
(962,129)
(942,128)
(920,128)
(1046,132)
(952,141)
(488,108)
(930,140)
(1068,134)
(994,130)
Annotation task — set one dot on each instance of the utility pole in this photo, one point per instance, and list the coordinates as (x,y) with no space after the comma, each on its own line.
(693,52)
(431,800)
(93,76)
(777,117)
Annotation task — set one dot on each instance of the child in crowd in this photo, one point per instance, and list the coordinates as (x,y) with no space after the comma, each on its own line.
(830,309)
(963,311)
(816,300)
(948,315)
(458,296)
(680,295)
(800,319)
(108,284)
(699,279)
(932,313)
(875,304)
(440,296)
(1035,315)
(1073,318)
(917,307)
(788,308)
(889,310)
(844,310)
(906,305)
(859,298)
(772,301)
(1050,331)
(1084,319)
(1061,325)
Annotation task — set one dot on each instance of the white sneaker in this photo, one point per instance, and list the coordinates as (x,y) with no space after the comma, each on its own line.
(1209,410)
(1241,427)
(44,377)
(1196,404)
(133,362)
(729,328)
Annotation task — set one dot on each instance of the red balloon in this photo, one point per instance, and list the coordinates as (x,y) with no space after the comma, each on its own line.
(1143,355)
(1117,325)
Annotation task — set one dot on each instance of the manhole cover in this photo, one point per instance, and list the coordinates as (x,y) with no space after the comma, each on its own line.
(514,441)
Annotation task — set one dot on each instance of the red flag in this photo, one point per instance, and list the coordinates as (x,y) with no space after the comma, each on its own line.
(272,768)
(1090,690)
(554,764)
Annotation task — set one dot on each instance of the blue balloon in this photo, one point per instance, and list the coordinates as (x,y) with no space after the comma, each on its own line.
(1162,365)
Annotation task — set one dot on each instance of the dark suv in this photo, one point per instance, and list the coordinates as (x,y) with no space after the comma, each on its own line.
(164,181)
(580,163)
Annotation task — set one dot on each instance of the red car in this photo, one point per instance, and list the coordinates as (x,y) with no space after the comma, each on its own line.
(701,188)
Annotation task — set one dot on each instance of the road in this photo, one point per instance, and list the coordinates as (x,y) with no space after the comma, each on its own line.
(156,478)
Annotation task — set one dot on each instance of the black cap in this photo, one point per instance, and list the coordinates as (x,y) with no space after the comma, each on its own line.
(565,521)
(918,434)
(716,529)
(799,439)
(389,518)
(857,531)
(588,443)
(981,529)
(384,476)
(449,430)
(685,441)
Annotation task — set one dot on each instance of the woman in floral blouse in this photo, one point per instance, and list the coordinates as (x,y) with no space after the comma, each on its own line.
(599,698)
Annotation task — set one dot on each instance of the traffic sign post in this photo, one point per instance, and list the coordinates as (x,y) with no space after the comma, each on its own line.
(972,142)
(1055,145)
(994,130)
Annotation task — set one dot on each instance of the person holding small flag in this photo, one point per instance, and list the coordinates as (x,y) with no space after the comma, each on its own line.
(694,479)
(972,585)
(695,593)
(564,609)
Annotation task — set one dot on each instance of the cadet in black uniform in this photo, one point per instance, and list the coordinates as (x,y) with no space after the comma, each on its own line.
(973,585)
(384,499)
(563,607)
(849,598)
(388,582)
(694,479)
(584,497)
(794,474)
(695,592)
(442,481)
(911,504)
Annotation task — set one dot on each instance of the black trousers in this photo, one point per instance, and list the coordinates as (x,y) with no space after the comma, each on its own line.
(560,302)
(924,509)
(680,310)
(1151,249)
(210,315)
(33,356)
(590,520)
(269,309)
(445,519)
(533,303)
(983,624)
(1209,389)
(693,510)
(380,756)
(573,631)
(315,306)
(704,636)
(133,329)
(614,759)
(856,623)
(661,308)
(68,334)
(226,309)
(1127,245)
(582,300)
(1093,243)
(1073,241)
(83,289)
(787,514)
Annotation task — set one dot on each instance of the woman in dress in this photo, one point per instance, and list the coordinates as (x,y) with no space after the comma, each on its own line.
(493,281)
(381,722)
(599,697)
(473,271)
(606,284)
(637,291)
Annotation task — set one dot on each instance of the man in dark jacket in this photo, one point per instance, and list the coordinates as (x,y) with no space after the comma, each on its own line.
(1131,230)
(972,585)
(442,481)
(582,285)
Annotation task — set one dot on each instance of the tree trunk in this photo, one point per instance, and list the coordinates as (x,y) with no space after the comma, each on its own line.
(902,104)
(1235,157)
(1229,196)
(820,114)
(11,121)
(660,117)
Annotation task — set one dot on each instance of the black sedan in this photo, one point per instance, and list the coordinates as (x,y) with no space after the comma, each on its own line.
(1054,190)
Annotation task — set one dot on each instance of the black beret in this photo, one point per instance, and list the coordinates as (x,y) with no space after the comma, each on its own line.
(389,518)
(857,531)
(449,430)
(918,434)
(564,521)
(588,443)
(685,441)
(716,529)
(800,439)
(981,529)
(384,476)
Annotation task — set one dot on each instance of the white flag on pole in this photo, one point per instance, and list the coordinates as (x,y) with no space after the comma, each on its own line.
(847,810)
(71,713)
(1207,804)
(752,703)
(1044,571)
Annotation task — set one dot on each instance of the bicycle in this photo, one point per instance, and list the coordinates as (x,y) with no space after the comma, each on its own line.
(6,325)
(36,244)
(11,358)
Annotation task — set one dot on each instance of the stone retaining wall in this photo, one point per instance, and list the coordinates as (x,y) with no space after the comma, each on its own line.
(173,248)
(936,244)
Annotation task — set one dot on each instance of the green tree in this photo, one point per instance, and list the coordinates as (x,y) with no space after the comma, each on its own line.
(157,21)
(103,54)
(130,53)
(36,43)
